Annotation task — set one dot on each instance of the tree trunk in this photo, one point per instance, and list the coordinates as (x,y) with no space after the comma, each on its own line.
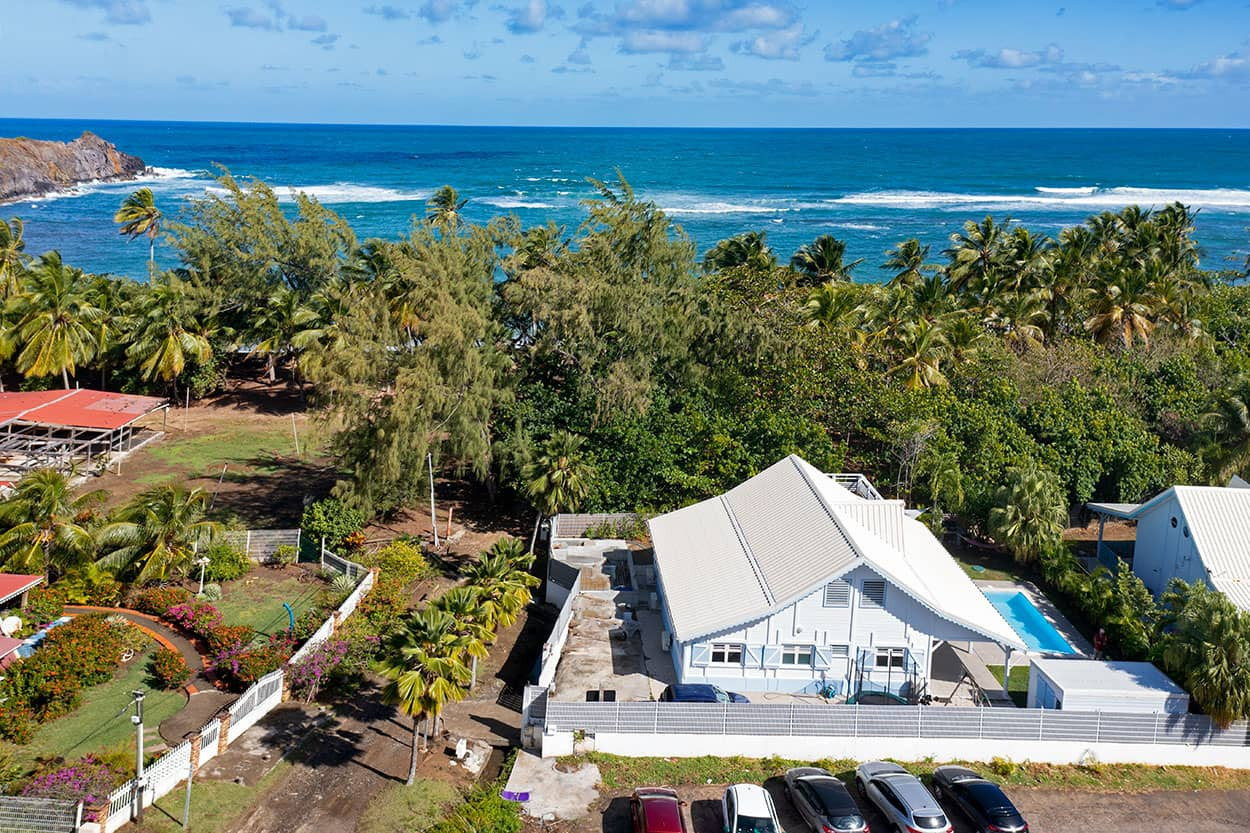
(474,681)
(271,367)
(152,250)
(65,377)
(534,537)
(412,759)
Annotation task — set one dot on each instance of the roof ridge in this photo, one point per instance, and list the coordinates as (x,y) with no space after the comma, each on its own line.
(829,510)
(747,551)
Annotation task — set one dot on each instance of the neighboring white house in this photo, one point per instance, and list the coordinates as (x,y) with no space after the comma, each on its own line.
(1195,533)
(791,581)
(1093,685)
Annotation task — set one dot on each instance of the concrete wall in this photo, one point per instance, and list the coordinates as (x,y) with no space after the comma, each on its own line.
(901,622)
(903,749)
(1163,551)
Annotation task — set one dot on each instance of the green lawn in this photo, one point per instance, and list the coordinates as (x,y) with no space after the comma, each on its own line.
(242,447)
(985,565)
(257,602)
(1018,688)
(103,720)
(214,804)
(403,809)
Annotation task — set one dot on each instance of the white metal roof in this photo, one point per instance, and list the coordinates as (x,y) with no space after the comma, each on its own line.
(1219,521)
(1122,679)
(788,531)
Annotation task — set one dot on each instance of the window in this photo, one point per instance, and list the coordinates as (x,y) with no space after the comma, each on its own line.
(840,650)
(890,657)
(796,654)
(837,594)
(873,593)
(726,653)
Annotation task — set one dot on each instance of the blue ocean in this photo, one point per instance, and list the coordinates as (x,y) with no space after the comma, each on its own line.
(869,187)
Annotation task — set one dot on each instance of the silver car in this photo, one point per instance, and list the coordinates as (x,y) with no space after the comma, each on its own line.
(907,806)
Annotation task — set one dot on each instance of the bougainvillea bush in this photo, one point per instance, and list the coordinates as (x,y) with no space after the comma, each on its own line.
(158,600)
(170,669)
(310,674)
(88,780)
(228,636)
(196,618)
(242,664)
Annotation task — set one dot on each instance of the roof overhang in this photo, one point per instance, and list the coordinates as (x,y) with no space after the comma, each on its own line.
(13,585)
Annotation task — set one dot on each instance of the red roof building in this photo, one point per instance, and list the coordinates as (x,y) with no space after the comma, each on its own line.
(13,585)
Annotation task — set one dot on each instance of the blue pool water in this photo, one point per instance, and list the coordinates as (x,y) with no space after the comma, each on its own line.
(1026,620)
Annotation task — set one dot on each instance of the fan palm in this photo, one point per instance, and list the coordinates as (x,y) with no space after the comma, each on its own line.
(56,321)
(47,527)
(502,582)
(1029,515)
(11,247)
(423,663)
(139,217)
(821,261)
(443,209)
(1206,648)
(157,534)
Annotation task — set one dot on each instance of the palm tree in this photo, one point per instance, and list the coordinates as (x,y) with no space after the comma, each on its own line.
(1205,646)
(139,216)
(821,261)
(423,663)
(977,256)
(283,324)
(1021,319)
(55,323)
(157,534)
(168,329)
(907,260)
(749,250)
(502,581)
(832,304)
(443,209)
(11,263)
(465,606)
(1228,428)
(47,527)
(1122,305)
(559,478)
(920,348)
(1029,516)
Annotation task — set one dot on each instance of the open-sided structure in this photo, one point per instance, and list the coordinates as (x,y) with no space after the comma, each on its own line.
(61,429)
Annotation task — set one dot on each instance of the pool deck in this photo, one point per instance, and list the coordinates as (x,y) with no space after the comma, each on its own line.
(991,655)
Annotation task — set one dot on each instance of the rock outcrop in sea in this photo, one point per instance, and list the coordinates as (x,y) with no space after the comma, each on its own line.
(32,167)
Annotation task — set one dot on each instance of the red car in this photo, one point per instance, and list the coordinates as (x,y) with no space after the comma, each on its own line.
(657,810)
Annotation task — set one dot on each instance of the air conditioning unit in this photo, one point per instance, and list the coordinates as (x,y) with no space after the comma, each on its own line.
(666,641)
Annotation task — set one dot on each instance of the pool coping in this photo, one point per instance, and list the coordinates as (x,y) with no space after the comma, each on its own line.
(1084,650)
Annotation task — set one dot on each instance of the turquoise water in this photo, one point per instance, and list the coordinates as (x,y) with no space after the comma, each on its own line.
(870,187)
(1027,621)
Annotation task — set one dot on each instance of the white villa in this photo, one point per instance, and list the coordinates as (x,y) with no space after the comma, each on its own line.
(797,580)
(1194,533)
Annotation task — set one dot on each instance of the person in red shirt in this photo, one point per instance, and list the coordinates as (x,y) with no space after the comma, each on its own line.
(1100,644)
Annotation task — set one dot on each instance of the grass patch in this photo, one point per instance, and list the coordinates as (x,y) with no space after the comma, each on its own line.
(215,805)
(252,447)
(626,773)
(255,601)
(102,722)
(401,809)
(994,566)
(1018,687)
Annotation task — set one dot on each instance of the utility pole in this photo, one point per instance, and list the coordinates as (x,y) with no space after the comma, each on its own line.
(137,719)
(433,520)
(186,807)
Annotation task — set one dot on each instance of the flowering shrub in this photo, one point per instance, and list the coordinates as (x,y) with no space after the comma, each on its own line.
(240,665)
(384,605)
(44,605)
(307,676)
(228,636)
(17,724)
(158,600)
(170,669)
(198,618)
(88,780)
(400,560)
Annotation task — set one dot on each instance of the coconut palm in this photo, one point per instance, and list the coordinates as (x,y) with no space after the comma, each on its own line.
(832,304)
(11,262)
(749,250)
(465,606)
(168,329)
(139,217)
(920,348)
(281,325)
(47,527)
(423,663)
(907,261)
(559,478)
(157,534)
(978,255)
(502,581)
(443,209)
(1020,317)
(1122,305)
(821,261)
(1029,514)
(1228,427)
(55,321)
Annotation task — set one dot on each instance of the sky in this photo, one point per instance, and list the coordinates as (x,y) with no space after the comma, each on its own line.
(743,63)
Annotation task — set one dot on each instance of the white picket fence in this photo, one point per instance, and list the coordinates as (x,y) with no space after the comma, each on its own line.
(172,768)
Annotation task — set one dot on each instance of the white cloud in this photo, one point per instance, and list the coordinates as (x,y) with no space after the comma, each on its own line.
(660,41)
(1008,58)
(895,39)
(127,12)
(783,44)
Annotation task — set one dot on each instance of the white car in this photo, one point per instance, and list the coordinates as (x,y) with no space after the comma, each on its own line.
(907,806)
(748,808)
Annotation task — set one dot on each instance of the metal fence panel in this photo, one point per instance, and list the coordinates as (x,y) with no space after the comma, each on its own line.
(1069,726)
(693,719)
(25,814)
(950,722)
(262,544)
(210,732)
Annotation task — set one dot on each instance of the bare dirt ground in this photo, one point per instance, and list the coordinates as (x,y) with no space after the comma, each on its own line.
(1047,811)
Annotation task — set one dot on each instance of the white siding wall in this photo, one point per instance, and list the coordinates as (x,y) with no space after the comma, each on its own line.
(901,622)
(1163,551)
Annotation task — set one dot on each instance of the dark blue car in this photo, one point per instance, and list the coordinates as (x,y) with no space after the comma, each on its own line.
(700,693)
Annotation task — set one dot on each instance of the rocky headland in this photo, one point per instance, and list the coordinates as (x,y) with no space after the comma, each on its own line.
(32,167)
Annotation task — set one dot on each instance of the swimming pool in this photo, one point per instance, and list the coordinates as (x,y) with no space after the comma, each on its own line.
(1027,621)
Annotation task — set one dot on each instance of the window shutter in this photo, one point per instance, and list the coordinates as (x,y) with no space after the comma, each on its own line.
(874,593)
(837,593)
(700,654)
(822,656)
(840,650)
(772,656)
(752,655)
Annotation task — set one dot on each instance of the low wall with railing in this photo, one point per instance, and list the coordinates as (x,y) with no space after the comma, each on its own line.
(905,732)
(181,762)
(559,633)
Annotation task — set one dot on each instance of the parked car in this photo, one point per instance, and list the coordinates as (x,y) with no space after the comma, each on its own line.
(656,810)
(823,801)
(981,801)
(700,693)
(901,798)
(747,808)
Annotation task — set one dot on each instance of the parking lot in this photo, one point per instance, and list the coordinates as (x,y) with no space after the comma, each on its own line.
(1047,811)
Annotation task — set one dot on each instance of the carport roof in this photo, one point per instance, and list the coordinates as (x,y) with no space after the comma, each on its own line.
(77,408)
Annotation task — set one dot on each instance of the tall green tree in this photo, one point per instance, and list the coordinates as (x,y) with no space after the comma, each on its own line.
(1205,645)
(464,604)
(823,260)
(559,477)
(1029,514)
(443,210)
(12,263)
(170,324)
(47,528)
(907,261)
(55,321)
(283,327)
(749,250)
(156,535)
(139,217)
(503,582)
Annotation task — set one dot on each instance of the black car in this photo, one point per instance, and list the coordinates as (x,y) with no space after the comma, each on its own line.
(823,801)
(984,804)
(700,693)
